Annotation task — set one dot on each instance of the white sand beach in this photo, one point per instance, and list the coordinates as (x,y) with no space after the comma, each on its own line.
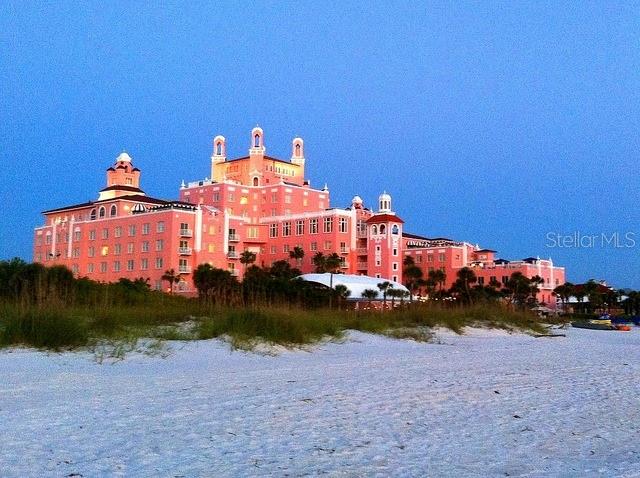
(483,404)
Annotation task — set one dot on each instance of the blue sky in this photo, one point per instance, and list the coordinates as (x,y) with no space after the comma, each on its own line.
(495,123)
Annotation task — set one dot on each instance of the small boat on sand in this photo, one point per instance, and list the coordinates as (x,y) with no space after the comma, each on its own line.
(601,323)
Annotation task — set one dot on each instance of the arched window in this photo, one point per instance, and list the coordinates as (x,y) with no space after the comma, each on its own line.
(92,215)
(383,229)
(113,211)
(374,229)
(297,150)
(102,212)
(395,229)
(219,149)
(255,181)
(256,141)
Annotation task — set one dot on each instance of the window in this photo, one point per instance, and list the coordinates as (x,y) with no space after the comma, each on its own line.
(92,215)
(160,226)
(91,251)
(383,229)
(429,257)
(75,252)
(103,267)
(343,247)
(287,199)
(158,262)
(145,228)
(104,250)
(441,257)
(92,235)
(132,230)
(130,265)
(252,232)
(395,229)
(117,248)
(314,246)
(342,224)
(273,249)
(105,234)
(77,235)
(274,197)
(145,246)
(286,229)
(216,197)
(313,226)
(256,141)
(327,245)
(159,245)
(255,181)
(219,148)
(114,210)
(102,212)
(130,248)
(117,232)
(395,251)
(286,248)
(144,264)
(273,230)
(327,225)
(116,266)
(231,197)
(505,279)
(480,280)
(394,266)
(374,230)
(89,268)
(378,262)
(299,227)
(419,259)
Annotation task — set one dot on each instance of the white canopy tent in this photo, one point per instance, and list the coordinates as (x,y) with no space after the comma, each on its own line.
(355,283)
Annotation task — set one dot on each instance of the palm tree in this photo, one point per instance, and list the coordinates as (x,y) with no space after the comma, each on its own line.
(332,264)
(370,295)
(297,253)
(412,274)
(172,278)
(384,288)
(320,262)
(438,277)
(247,257)
(466,277)
(342,291)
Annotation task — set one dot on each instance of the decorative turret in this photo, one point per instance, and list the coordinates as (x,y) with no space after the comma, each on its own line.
(257,142)
(356,202)
(297,151)
(219,150)
(123,179)
(384,203)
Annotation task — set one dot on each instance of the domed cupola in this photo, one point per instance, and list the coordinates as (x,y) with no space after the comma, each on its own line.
(384,203)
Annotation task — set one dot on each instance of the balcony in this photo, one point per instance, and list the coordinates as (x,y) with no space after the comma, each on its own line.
(184,251)
(186,233)
(363,251)
(184,270)
(234,238)
(232,255)
(361,233)
(362,266)
(344,265)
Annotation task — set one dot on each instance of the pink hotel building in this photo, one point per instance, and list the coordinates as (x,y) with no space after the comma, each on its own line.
(257,203)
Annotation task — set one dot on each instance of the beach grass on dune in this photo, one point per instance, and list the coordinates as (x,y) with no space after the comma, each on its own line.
(67,327)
